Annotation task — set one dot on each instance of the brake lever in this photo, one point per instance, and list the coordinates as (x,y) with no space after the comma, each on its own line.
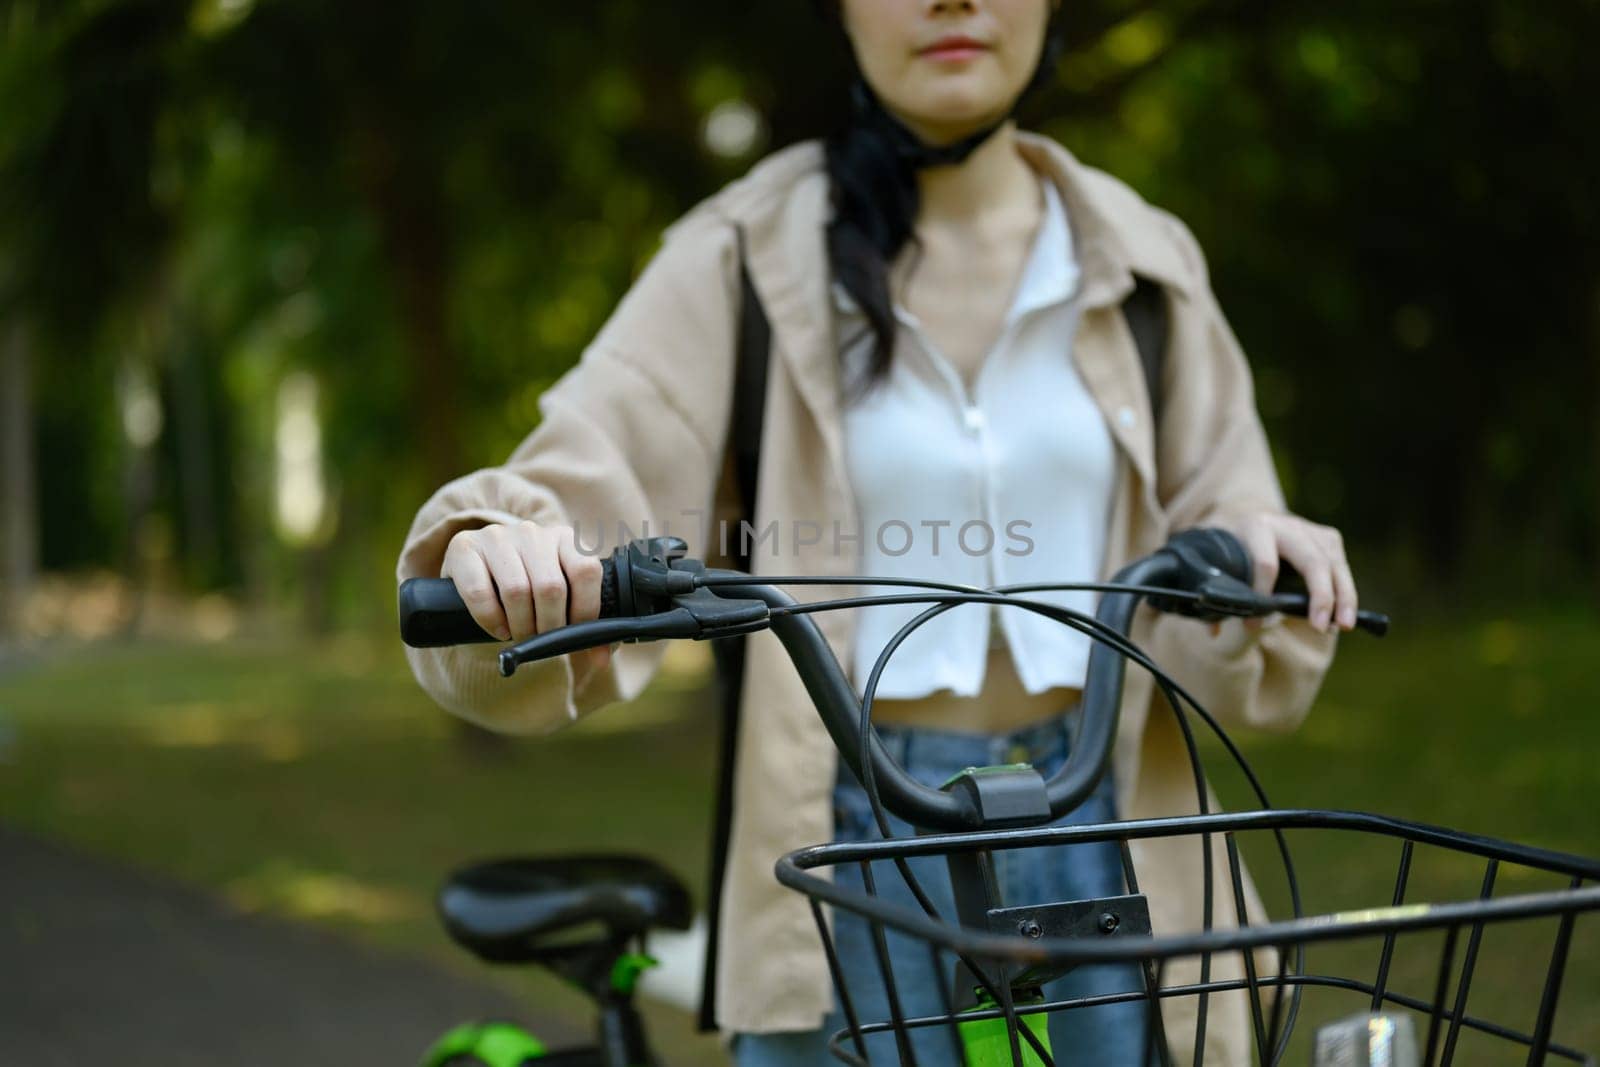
(577,636)
(701,615)
(1215,567)
(1375,623)
(1224,596)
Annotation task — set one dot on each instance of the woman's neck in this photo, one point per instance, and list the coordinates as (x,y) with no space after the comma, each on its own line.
(993,182)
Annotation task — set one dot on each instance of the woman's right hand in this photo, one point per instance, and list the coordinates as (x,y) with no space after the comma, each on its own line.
(522,579)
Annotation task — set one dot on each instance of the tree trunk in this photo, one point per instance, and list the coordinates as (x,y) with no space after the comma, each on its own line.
(19,499)
(194,425)
(1594,423)
(407,199)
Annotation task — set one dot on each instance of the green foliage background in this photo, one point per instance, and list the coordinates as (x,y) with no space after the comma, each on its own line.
(432,207)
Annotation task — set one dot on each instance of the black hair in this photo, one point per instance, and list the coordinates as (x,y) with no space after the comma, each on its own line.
(872,161)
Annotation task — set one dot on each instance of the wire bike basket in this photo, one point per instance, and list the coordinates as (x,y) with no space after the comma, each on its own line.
(1023,946)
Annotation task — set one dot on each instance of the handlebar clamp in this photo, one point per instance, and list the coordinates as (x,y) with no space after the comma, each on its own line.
(1215,566)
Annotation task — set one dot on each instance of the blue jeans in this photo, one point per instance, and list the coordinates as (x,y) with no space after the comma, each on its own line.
(1108,1035)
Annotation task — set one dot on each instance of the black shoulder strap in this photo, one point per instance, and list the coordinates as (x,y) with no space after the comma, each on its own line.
(749,395)
(1146,311)
(754,343)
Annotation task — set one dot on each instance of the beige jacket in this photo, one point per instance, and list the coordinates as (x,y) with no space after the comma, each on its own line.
(635,433)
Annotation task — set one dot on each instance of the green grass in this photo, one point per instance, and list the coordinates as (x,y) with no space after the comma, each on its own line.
(1491,728)
(317,782)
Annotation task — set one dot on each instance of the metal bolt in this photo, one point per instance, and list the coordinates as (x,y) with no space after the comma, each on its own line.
(1030,929)
(1109,923)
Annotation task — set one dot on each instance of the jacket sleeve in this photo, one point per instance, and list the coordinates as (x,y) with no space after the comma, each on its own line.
(1213,463)
(627,445)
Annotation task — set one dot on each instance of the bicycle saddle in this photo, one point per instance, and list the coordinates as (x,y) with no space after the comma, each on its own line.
(525,910)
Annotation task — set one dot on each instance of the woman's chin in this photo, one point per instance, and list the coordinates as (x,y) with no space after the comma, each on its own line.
(948,128)
(955,111)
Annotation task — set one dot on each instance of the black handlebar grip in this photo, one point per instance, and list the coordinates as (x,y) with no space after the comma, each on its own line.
(609,596)
(1218,548)
(433,615)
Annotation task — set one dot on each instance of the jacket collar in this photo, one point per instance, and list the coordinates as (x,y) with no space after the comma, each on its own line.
(783,207)
(1117,234)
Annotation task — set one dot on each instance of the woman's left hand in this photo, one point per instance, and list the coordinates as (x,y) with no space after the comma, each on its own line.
(1316,551)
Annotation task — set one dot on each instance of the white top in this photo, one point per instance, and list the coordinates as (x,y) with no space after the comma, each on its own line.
(1011,484)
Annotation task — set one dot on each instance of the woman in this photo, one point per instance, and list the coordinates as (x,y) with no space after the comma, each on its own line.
(930,271)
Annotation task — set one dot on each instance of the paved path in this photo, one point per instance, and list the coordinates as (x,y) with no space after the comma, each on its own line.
(103,965)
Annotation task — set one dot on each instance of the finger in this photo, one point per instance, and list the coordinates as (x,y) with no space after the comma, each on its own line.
(583,573)
(592,660)
(600,658)
(1263,545)
(1346,601)
(549,581)
(1307,555)
(465,565)
(511,579)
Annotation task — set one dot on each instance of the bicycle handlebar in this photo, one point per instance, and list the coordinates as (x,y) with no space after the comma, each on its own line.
(652,591)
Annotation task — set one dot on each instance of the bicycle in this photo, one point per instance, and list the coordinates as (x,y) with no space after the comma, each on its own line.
(1004,952)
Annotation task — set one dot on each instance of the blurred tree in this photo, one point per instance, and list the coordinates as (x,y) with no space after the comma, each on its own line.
(1398,200)
(82,95)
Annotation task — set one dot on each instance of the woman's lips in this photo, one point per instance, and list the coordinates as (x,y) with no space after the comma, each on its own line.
(954,49)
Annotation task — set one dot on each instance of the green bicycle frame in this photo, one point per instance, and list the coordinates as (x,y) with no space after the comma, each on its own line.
(988,1041)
